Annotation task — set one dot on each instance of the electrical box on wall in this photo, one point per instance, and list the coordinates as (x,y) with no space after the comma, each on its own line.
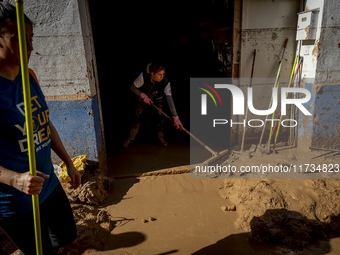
(307,25)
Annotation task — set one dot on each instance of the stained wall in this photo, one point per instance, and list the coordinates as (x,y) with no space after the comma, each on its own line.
(64,61)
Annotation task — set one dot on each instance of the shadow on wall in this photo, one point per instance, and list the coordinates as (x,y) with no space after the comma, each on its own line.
(279,231)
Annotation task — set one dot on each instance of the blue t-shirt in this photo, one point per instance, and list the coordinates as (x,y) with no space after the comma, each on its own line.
(13,143)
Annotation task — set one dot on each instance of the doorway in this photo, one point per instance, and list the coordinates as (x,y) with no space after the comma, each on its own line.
(190,38)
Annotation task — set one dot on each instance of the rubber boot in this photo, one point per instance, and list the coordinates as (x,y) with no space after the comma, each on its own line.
(133,133)
(160,134)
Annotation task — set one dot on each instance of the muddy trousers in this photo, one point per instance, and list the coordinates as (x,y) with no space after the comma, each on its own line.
(58,227)
(137,119)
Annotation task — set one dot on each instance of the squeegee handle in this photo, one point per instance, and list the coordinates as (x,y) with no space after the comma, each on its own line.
(26,85)
(199,141)
(324,149)
(286,43)
(185,130)
(28,118)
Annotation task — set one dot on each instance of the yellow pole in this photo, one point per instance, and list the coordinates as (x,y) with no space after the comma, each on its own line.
(292,76)
(28,117)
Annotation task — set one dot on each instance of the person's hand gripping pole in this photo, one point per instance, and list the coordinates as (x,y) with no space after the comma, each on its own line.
(146,99)
(177,122)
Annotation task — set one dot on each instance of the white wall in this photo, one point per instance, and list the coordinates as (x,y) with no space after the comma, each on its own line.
(265,26)
(310,49)
(328,67)
(59,56)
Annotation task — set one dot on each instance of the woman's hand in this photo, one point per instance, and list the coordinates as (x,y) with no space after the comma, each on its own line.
(177,122)
(75,176)
(146,99)
(30,185)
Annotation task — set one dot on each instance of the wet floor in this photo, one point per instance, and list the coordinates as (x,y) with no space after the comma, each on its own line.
(142,157)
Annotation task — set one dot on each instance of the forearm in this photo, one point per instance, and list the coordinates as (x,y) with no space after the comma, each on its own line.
(58,147)
(24,182)
(171,105)
(135,90)
(7,176)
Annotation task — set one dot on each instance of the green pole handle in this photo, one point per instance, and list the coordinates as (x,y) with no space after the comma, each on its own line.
(28,117)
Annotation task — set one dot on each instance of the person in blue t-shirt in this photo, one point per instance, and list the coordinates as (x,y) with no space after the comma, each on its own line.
(16,184)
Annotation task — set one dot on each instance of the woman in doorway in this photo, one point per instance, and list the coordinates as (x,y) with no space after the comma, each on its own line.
(16,184)
(151,86)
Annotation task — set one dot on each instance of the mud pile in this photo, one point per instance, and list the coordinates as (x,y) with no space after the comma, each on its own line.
(287,227)
(290,211)
(94,225)
(94,188)
(7,246)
